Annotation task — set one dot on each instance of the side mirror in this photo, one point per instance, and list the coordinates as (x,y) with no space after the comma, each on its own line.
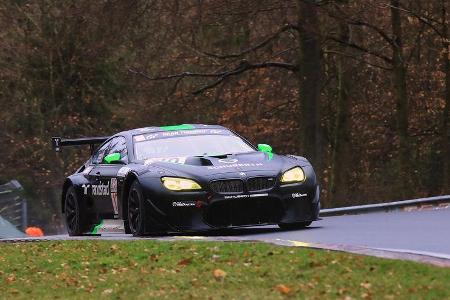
(112,158)
(265,148)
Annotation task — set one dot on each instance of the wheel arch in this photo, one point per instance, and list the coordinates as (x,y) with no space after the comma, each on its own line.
(131,177)
(67,183)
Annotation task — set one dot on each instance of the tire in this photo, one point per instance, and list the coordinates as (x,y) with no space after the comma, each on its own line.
(126,226)
(75,213)
(137,220)
(293,226)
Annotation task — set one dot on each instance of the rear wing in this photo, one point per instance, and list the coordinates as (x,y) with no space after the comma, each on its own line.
(58,142)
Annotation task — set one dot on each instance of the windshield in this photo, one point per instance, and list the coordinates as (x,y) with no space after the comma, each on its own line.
(177,147)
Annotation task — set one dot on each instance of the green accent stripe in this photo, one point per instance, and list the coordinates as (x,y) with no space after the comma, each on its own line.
(177,127)
(96,228)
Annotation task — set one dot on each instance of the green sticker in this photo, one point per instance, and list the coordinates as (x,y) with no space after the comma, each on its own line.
(177,127)
(96,228)
(265,148)
(112,158)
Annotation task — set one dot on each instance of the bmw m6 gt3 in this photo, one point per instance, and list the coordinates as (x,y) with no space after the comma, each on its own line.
(187,177)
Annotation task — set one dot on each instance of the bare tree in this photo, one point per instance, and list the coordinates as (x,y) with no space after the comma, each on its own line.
(307,68)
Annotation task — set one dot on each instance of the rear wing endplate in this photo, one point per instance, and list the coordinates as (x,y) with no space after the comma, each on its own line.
(58,142)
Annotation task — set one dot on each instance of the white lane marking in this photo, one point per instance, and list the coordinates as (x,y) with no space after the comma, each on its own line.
(425,253)
(190,237)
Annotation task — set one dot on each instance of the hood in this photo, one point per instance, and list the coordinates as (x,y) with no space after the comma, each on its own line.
(231,163)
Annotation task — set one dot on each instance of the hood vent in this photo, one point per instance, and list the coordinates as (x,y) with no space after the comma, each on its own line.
(198,161)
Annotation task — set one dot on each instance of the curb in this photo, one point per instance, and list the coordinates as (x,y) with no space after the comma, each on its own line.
(384,206)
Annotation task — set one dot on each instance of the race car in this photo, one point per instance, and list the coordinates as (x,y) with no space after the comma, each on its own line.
(185,178)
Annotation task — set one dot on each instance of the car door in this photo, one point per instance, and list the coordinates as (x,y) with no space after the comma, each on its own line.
(108,180)
(96,189)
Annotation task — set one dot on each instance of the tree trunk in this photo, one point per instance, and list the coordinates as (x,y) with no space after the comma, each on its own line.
(399,69)
(445,129)
(341,144)
(310,62)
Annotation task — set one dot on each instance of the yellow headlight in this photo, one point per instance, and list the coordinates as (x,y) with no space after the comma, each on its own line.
(180,184)
(293,175)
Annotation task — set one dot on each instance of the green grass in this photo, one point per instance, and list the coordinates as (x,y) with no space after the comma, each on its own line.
(188,269)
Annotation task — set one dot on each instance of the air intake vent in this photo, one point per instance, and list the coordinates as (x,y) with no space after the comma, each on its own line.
(260,183)
(228,186)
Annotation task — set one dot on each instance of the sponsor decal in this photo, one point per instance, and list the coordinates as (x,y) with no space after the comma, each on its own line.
(109,226)
(85,188)
(246,196)
(150,136)
(100,189)
(176,160)
(113,185)
(299,195)
(139,138)
(192,132)
(97,189)
(235,166)
(114,203)
(170,133)
(123,172)
(183,203)
(228,160)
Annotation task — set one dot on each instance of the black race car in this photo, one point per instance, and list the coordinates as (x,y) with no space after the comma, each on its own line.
(187,177)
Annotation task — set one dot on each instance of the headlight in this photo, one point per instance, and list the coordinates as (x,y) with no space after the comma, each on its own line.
(180,184)
(293,175)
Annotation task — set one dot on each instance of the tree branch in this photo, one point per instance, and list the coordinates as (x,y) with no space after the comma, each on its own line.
(424,19)
(243,66)
(348,19)
(358,59)
(255,47)
(362,49)
(374,28)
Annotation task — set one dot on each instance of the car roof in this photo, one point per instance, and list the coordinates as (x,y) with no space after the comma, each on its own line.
(152,129)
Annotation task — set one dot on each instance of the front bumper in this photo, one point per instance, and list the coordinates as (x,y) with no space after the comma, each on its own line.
(183,211)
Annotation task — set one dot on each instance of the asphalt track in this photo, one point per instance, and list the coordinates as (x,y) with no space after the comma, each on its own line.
(421,235)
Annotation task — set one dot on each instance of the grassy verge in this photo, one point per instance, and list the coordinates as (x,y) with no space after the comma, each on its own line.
(188,269)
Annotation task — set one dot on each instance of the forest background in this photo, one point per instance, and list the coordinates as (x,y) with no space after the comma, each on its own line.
(361,88)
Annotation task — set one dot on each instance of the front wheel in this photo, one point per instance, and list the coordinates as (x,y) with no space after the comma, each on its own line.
(293,226)
(136,210)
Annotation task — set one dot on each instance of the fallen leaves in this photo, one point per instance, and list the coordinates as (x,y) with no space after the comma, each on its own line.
(185,262)
(366,285)
(11,278)
(107,292)
(283,289)
(154,258)
(219,274)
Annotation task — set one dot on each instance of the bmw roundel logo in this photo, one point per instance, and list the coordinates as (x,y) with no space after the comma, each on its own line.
(228,160)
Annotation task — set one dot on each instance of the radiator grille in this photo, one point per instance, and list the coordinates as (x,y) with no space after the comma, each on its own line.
(227,186)
(260,183)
